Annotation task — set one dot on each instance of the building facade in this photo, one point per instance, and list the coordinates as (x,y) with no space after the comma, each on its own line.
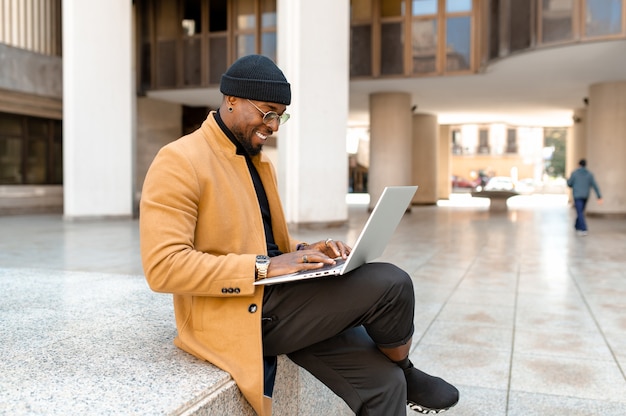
(86,104)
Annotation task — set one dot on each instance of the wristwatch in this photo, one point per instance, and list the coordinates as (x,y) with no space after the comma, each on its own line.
(261,266)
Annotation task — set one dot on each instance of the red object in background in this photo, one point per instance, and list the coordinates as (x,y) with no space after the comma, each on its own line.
(458,182)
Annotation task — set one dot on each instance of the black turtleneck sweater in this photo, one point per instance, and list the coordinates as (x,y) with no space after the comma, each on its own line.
(272,247)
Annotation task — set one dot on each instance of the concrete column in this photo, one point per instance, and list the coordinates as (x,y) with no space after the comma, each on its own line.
(576,141)
(444,170)
(390,142)
(313,161)
(425,158)
(98,109)
(606,145)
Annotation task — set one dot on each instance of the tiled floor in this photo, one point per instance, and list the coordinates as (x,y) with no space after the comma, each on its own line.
(525,317)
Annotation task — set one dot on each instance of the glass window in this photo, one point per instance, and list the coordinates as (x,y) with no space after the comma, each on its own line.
(191,62)
(245,45)
(361,50)
(424,7)
(603,17)
(483,142)
(361,10)
(10,125)
(38,127)
(217,59)
(556,20)
(37,161)
(10,160)
(146,66)
(511,141)
(167,23)
(392,8)
(455,6)
(268,45)
(167,64)
(424,46)
(31,154)
(218,16)
(57,154)
(192,13)
(458,43)
(494,25)
(268,13)
(520,16)
(391,62)
(244,14)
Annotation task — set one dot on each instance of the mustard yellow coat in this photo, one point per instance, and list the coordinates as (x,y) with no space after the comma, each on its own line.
(200,231)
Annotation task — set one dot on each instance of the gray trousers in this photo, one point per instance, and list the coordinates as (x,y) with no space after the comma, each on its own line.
(332,327)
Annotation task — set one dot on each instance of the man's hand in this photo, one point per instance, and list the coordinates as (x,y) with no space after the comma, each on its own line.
(311,257)
(331,248)
(295,261)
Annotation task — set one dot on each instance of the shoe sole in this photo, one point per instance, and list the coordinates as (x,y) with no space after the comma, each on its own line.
(425,410)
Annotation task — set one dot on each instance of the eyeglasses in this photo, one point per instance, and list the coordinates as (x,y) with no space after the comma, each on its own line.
(271,116)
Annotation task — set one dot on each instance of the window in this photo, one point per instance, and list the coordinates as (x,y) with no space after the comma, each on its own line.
(391,61)
(424,7)
(361,50)
(603,17)
(557,20)
(417,37)
(190,43)
(483,142)
(520,25)
(457,147)
(424,46)
(361,38)
(458,46)
(511,141)
(494,29)
(30,150)
(268,28)
(424,36)
(392,37)
(455,6)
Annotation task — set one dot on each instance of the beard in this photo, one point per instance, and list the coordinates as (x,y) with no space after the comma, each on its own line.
(247,143)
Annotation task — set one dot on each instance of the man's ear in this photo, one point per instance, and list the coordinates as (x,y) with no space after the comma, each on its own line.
(231,101)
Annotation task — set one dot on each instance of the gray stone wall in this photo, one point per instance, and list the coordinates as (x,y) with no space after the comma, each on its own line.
(31,73)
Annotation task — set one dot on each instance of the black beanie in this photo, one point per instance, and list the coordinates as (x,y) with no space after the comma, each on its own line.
(257,78)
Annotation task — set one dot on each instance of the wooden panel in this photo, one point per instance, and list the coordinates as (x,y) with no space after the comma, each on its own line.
(30,105)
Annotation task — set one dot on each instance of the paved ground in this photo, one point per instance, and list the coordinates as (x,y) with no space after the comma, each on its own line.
(525,317)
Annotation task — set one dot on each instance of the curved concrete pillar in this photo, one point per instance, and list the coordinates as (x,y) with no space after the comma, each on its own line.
(444,171)
(390,142)
(425,158)
(606,145)
(577,141)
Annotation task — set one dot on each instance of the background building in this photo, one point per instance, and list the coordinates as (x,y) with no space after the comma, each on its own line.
(385,92)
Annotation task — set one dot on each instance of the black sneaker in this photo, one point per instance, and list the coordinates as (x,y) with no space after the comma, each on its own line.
(427,394)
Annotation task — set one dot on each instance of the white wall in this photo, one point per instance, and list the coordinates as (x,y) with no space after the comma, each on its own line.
(313,162)
(97,108)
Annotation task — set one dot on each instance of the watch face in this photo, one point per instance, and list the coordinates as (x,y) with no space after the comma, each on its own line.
(262,265)
(262,259)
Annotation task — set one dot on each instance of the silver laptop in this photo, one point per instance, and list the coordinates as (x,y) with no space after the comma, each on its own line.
(372,241)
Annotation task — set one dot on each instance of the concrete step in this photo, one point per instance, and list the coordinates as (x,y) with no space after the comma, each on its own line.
(101,344)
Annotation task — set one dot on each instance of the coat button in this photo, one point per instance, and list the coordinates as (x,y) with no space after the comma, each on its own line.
(252,308)
(231,290)
(237,290)
(224,290)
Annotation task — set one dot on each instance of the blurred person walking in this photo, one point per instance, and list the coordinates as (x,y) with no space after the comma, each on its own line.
(581,181)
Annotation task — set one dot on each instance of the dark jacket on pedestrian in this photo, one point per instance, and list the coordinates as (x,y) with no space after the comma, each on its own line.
(581,183)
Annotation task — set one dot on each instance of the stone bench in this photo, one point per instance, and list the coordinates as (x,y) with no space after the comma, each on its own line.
(93,344)
(497,198)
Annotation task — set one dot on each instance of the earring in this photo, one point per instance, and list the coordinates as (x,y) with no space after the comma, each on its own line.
(230,109)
